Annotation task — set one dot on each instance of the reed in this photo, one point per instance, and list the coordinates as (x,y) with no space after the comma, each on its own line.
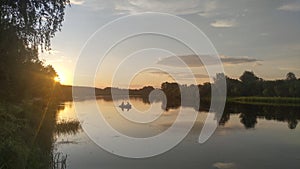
(68,127)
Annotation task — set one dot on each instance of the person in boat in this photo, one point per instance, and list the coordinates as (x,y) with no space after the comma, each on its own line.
(128,105)
(122,104)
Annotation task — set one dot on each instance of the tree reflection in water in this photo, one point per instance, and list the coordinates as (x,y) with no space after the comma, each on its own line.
(248,114)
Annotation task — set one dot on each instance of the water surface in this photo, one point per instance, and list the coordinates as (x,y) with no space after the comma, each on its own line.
(248,137)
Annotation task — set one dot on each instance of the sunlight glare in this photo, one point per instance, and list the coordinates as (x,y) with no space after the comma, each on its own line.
(57,79)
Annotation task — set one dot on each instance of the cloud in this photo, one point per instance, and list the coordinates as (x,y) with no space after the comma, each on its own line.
(176,7)
(209,8)
(192,76)
(221,165)
(224,23)
(293,7)
(173,7)
(179,61)
(77,2)
(194,60)
(237,60)
(157,72)
(178,75)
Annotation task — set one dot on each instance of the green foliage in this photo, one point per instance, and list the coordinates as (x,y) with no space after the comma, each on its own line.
(22,75)
(26,135)
(249,89)
(26,83)
(251,85)
(25,27)
(34,21)
(12,146)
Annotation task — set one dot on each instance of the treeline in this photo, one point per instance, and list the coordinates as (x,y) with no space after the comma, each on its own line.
(145,91)
(247,85)
(248,88)
(28,92)
(251,85)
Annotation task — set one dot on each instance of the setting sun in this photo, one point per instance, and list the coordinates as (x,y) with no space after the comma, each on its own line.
(57,79)
(61,78)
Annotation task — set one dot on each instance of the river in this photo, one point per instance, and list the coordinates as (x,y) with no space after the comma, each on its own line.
(247,137)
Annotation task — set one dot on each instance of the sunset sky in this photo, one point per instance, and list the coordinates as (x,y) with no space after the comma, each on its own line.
(262,36)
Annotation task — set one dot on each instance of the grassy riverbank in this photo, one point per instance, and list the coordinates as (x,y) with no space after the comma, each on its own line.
(26,137)
(274,101)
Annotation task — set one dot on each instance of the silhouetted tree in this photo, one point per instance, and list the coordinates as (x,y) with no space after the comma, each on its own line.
(26,83)
(172,92)
(234,87)
(26,26)
(205,90)
(34,21)
(248,77)
(268,89)
(252,85)
(291,76)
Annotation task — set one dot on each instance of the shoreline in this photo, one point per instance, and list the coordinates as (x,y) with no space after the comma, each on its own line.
(267,101)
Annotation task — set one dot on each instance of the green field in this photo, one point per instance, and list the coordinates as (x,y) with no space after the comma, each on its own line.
(276,101)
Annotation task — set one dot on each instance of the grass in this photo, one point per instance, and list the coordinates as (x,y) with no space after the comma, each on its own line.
(68,127)
(275,101)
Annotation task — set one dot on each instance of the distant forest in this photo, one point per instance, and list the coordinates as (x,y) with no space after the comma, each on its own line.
(248,88)
(247,85)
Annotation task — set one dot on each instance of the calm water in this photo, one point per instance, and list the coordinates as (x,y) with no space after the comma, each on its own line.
(248,137)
